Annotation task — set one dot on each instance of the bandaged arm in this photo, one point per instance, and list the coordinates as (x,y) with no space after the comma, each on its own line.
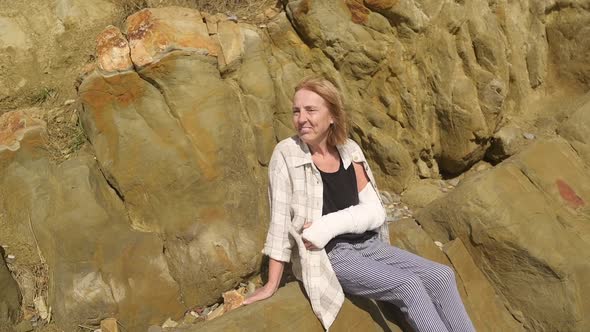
(367,215)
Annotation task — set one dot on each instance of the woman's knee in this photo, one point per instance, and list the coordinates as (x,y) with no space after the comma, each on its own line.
(441,275)
(411,285)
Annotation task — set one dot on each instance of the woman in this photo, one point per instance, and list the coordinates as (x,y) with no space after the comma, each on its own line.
(327,217)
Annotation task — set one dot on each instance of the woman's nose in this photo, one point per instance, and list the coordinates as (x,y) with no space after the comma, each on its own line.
(302,117)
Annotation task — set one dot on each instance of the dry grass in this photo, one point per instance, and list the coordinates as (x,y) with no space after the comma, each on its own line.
(43,96)
(245,10)
(64,135)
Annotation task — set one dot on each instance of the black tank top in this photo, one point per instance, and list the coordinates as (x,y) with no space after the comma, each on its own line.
(341,192)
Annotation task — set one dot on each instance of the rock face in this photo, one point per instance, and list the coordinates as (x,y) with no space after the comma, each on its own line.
(481,301)
(427,83)
(174,140)
(527,222)
(166,207)
(45,44)
(576,130)
(289,310)
(567,28)
(10,297)
(99,264)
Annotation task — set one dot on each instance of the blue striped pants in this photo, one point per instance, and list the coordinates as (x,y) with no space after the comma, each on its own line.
(425,291)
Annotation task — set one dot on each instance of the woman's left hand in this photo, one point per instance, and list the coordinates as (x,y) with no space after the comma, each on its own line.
(308,245)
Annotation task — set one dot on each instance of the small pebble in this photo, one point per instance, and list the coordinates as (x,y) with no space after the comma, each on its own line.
(444,190)
(216,313)
(528,136)
(481,167)
(11,257)
(454,182)
(251,288)
(169,323)
(69,102)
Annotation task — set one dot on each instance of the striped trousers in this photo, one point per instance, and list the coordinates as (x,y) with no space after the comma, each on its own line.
(424,291)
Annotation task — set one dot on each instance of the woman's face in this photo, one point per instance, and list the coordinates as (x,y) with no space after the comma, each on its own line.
(311,117)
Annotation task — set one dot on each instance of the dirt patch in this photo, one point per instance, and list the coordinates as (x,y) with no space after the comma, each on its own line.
(251,11)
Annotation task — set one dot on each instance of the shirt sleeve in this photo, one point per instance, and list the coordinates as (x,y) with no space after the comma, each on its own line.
(278,244)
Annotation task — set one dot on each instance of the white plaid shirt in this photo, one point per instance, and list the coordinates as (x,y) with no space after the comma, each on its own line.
(296,195)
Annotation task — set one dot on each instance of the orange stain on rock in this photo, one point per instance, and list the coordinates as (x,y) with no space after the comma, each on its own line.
(154,32)
(212,214)
(569,195)
(14,125)
(381,4)
(9,123)
(358,11)
(139,24)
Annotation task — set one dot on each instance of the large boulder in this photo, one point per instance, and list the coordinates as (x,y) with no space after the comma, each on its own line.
(482,302)
(175,141)
(527,222)
(289,310)
(99,266)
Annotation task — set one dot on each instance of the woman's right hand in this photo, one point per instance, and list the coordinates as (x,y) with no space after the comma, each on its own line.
(275,272)
(260,294)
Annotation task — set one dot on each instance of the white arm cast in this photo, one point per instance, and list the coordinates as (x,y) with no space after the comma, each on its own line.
(367,215)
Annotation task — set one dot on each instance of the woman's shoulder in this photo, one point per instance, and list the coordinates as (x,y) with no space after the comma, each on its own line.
(354,150)
(288,143)
(350,144)
(288,151)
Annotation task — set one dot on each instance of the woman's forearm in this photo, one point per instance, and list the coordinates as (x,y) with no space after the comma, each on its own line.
(367,215)
(275,273)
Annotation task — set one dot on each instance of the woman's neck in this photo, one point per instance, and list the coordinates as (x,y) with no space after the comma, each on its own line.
(322,149)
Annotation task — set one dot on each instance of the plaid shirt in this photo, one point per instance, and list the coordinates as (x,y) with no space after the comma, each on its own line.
(296,195)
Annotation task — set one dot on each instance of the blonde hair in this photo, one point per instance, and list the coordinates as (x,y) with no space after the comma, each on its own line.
(338,131)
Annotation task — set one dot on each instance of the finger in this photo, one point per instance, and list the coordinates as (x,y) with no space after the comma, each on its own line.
(306,225)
